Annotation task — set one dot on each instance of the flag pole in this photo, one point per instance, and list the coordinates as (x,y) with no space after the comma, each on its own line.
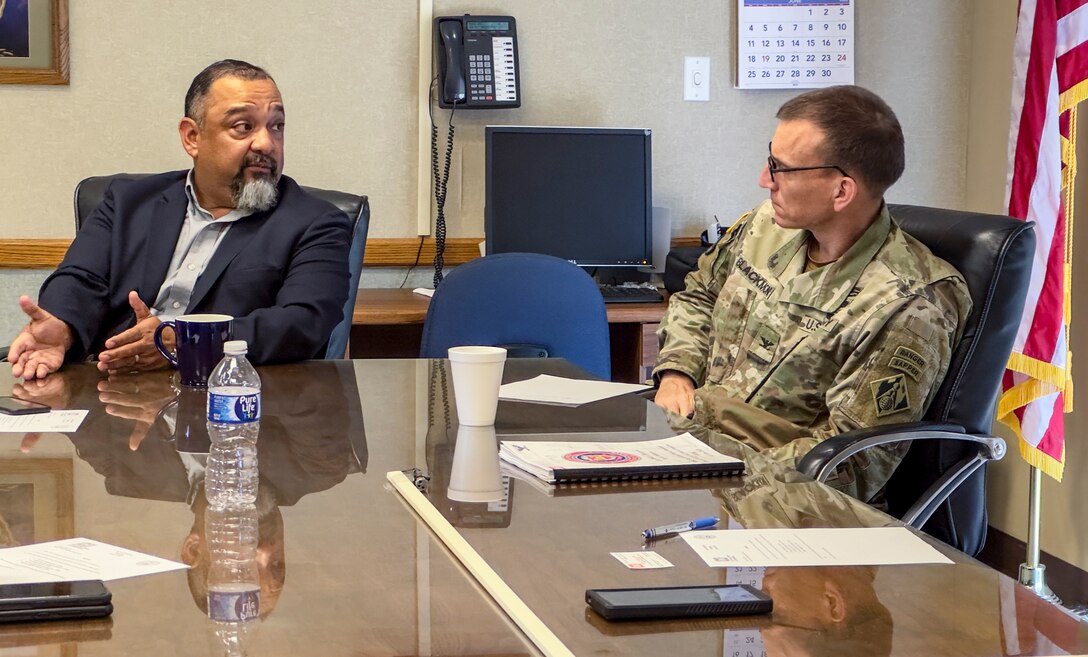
(1033,573)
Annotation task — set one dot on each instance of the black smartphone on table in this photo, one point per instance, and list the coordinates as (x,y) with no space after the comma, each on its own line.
(54,601)
(678,602)
(16,406)
(55,613)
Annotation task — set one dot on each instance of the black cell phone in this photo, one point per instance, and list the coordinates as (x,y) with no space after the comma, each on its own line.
(16,406)
(54,613)
(53,595)
(678,602)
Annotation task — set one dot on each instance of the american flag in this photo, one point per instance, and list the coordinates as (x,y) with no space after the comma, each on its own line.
(1050,77)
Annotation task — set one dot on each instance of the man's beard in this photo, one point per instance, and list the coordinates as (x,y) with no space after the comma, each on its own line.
(259,194)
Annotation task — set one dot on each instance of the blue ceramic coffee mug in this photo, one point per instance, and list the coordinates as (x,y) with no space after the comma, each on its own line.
(199,341)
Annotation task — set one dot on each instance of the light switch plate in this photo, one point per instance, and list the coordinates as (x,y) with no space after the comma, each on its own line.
(697,78)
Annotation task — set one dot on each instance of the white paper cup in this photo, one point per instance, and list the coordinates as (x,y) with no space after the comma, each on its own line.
(475,476)
(477,375)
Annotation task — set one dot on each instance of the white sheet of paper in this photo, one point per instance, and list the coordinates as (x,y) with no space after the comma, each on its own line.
(75,559)
(55,421)
(547,389)
(642,560)
(817,546)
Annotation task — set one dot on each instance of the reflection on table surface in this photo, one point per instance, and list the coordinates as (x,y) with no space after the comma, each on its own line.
(347,569)
(550,544)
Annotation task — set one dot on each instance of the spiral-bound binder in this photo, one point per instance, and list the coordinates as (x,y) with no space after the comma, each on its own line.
(678,457)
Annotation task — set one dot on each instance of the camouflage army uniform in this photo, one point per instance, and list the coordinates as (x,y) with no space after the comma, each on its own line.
(783,359)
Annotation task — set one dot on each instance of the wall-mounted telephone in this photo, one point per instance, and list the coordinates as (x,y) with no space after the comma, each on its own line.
(477,59)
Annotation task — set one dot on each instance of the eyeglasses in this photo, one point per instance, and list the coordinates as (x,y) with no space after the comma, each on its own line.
(773,166)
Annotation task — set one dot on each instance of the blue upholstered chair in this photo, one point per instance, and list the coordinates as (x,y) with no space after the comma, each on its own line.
(90,191)
(532,304)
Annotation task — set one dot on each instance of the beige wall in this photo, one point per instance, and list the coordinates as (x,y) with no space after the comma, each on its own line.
(347,69)
(993,27)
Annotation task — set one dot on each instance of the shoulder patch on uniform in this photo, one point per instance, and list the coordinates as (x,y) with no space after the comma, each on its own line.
(906,366)
(890,395)
(910,356)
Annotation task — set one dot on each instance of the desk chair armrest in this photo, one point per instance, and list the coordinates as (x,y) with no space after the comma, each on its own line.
(825,457)
(4,352)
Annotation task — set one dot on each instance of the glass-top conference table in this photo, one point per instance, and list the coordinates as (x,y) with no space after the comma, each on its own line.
(348,568)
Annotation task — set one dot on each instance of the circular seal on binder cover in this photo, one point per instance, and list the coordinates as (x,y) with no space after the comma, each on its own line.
(601,457)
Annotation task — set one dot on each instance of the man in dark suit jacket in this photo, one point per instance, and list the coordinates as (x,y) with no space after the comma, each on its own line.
(232,235)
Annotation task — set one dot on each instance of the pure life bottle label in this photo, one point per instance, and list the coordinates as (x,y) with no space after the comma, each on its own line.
(234,409)
(234,606)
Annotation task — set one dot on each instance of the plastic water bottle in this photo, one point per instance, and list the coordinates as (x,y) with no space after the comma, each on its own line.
(234,587)
(234,414)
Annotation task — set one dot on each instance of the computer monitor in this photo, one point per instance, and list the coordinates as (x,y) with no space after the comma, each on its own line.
(580,194)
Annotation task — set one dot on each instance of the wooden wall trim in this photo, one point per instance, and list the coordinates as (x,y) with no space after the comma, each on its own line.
(380,251)
(401,251)
(32,254)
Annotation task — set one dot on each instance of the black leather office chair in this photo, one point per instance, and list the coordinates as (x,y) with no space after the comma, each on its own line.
(90,191)
(940,486)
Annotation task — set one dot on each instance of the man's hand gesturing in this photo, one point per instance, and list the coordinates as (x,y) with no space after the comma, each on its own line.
(39,349)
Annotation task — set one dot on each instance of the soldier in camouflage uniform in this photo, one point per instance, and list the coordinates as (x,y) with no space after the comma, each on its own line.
(816,314)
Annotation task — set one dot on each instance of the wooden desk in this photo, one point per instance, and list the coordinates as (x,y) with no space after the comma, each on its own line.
(388,323)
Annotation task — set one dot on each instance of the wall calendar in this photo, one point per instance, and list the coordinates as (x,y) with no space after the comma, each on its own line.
(785,44)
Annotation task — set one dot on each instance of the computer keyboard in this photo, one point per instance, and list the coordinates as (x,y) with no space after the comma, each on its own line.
(629,294)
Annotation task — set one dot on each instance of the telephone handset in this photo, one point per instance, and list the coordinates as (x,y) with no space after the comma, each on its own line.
(477,59)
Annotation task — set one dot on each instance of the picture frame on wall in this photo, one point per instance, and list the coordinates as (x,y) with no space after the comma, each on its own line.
(33,41)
